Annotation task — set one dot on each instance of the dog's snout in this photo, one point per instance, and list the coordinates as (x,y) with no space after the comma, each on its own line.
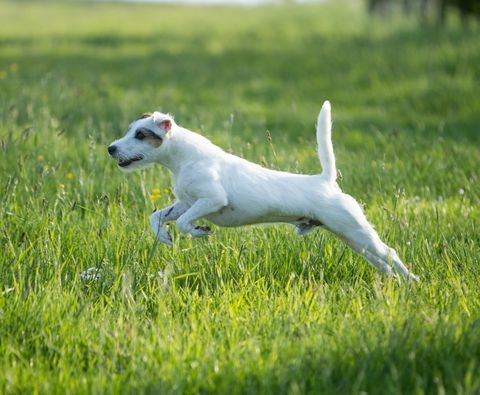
(112,149)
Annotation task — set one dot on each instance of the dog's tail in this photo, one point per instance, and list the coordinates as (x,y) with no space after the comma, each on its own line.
(324,141)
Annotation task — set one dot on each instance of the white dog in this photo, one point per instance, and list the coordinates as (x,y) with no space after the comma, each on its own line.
(230,191)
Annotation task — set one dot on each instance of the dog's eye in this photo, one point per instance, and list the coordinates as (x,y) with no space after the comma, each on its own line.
(139,135)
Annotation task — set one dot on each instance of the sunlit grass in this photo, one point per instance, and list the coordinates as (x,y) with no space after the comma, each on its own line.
(251,310)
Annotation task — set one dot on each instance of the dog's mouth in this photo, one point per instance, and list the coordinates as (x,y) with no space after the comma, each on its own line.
(128,162)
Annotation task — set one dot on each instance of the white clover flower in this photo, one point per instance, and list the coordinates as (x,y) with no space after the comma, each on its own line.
(162,275)
(91,274)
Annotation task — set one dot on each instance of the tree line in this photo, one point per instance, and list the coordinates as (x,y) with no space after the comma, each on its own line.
(468,9)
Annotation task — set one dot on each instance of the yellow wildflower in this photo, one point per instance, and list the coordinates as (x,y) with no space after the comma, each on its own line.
(69,176)
(156,191)
(40,158)
(61,187)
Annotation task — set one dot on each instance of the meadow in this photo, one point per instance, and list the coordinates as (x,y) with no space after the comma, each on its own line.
(256,309)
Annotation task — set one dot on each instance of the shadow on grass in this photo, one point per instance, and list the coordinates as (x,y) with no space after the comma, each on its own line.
(402,360)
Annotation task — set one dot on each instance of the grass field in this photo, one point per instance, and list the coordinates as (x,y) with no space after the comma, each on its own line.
(251,310)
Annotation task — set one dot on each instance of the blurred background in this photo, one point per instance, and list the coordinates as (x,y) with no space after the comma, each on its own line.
(78,70)
(252,309)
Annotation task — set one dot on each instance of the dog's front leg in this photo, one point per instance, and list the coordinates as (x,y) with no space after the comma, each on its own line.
(199,209)
(159,218)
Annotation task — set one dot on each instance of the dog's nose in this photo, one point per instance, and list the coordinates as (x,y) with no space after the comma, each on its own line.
(112,149)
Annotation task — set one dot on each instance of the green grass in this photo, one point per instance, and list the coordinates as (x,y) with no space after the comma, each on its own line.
(250,310)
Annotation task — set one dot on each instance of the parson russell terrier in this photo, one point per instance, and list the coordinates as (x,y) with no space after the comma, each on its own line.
(230,191)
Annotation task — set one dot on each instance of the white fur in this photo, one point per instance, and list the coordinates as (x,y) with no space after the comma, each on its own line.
(230,191)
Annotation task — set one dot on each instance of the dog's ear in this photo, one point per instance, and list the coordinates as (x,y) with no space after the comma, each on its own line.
(164,122)
(165,125)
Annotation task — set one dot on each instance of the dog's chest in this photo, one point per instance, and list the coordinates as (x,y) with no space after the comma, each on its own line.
(182,194)
(194,182)
(184,190)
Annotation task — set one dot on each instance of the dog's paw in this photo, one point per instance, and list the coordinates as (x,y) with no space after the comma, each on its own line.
(303,229)
(201,231)
(164,237)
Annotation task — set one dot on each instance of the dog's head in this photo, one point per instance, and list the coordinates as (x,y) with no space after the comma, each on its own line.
(144,142)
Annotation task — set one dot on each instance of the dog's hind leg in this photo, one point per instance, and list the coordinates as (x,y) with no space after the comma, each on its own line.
(366,242)
(379,254)
(346,219)
(159,218)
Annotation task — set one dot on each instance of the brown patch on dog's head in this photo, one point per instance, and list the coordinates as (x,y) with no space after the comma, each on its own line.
(154,141)
(146,115)
(149,136)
